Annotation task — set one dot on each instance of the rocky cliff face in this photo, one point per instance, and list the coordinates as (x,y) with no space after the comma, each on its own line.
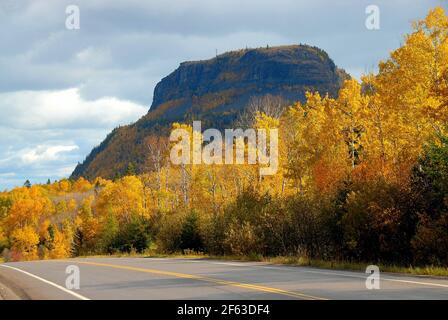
(215,91)
(229,80)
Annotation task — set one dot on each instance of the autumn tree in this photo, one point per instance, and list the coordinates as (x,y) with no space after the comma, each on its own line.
(24,243)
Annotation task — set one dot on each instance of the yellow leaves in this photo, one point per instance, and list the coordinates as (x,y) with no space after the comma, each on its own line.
(81,185)
(90,230)
(64,186)
(85,211)
(313,100)
(100,182)
(375,127)
(77,223)
(61,207)
(3,238)
(43,230)
(410,91)
(435,24)
(413,75)
(263,121)
(24,243)
(312,138)
(60,246)
(177,125)
(71,206)
(124,198)
(28,208)
(350,98)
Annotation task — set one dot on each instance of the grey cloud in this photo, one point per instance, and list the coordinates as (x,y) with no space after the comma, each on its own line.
(151,38)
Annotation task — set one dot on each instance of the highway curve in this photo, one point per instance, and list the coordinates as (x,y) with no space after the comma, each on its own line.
(165,278)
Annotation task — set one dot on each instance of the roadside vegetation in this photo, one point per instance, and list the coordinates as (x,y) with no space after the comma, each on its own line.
(362,178)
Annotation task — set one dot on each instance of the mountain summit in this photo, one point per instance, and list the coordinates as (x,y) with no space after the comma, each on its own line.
(215,91)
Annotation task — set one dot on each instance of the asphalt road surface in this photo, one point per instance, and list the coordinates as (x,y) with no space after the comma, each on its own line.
(151,278)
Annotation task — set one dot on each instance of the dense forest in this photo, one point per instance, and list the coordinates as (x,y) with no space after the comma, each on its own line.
(362,177)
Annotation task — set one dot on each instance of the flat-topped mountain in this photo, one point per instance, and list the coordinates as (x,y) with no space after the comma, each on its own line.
(215,91)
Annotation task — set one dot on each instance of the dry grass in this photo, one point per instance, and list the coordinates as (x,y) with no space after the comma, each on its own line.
(344,265)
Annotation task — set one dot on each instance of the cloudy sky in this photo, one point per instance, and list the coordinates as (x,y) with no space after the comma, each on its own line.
(62,91)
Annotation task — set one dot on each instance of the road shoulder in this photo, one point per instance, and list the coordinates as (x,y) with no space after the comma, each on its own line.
(10,291)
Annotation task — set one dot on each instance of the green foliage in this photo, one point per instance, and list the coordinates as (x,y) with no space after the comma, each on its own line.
(109,233)
(180,232)
(242,233)
(214,234)
(307,232)
(376,223)
(190,235)
(5,205)
(241,238)
(130,170)
(430,177)
(3,243)
(133,236)
(169,233)
(430,184)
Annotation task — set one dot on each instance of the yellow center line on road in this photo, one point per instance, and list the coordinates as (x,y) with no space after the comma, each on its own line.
(205,279)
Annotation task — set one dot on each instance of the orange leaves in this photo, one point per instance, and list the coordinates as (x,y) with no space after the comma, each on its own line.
(327,176)
(29,207)
(81,185)
(66,186)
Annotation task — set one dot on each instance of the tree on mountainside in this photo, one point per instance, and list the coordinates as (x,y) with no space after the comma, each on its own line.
(130,170)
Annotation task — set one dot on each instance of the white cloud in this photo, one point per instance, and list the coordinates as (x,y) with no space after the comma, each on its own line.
(64,109)
(43,134)
(45,153)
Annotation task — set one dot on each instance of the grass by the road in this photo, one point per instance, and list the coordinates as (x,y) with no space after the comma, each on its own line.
(301,261)
(292,261)
(342,265)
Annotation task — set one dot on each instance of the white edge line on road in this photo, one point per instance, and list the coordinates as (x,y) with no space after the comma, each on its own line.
(418,282)
(326,273)
(365,277)
(77,295)
(329,273)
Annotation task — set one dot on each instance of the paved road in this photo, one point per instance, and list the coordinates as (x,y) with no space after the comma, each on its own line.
(149,278)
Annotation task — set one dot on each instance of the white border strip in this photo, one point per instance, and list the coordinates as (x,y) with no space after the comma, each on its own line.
(48,282)
(328,273)
(365,277)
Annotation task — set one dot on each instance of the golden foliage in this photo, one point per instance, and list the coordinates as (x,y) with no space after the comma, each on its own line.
(376,128)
